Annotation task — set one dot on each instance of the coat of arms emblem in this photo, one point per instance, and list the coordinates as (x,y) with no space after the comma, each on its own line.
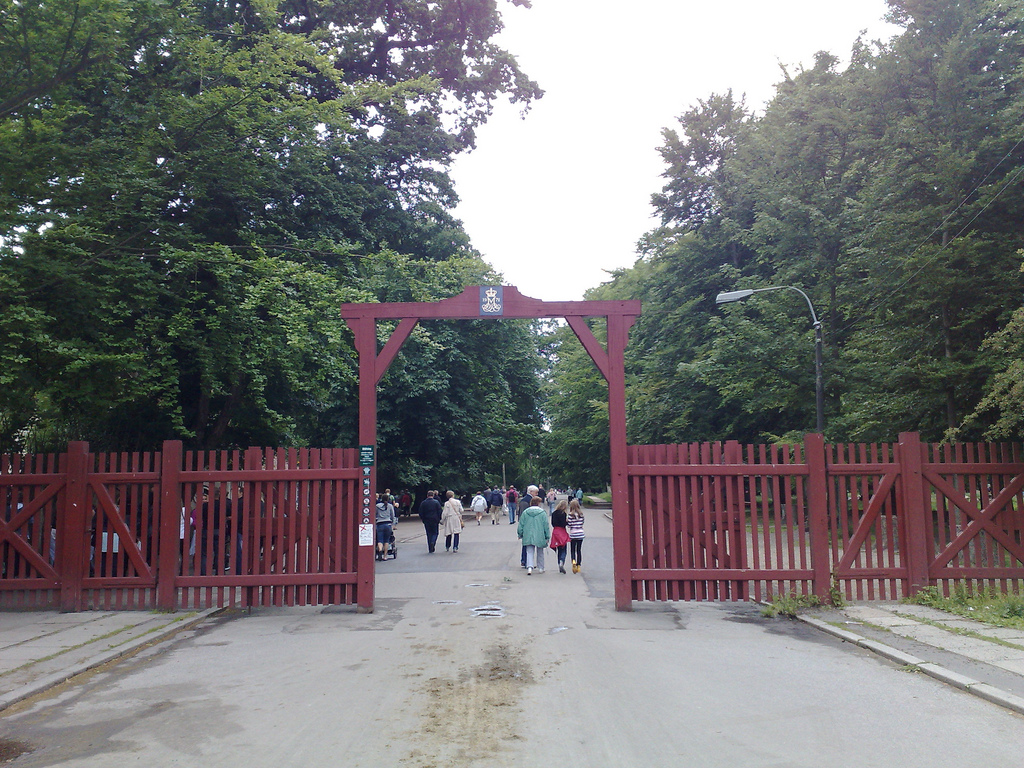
(490,300)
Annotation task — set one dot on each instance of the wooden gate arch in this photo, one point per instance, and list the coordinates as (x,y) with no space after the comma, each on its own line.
(499,302)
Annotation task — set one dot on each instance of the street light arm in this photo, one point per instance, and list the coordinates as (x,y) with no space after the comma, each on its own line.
(731,296)
(814,316)
(819,386)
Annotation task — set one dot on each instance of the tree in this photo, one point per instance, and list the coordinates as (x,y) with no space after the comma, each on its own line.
(188,191)
(936,269)
(576,449)
(889,192)
(461,395)
(1002,407)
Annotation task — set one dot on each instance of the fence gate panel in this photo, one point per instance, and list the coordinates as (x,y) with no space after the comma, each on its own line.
(270,527)
(123,531)
(978,515)
(873,521)
(717,521)
(30,489)
(181,529)
(865,517)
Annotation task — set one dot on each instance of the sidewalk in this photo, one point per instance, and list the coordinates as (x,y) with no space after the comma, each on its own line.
(981,659)
(42,649)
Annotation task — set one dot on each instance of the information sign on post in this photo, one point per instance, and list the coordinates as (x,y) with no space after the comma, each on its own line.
(366,455)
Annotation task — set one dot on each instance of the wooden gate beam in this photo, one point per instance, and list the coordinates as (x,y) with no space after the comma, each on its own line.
(502,302)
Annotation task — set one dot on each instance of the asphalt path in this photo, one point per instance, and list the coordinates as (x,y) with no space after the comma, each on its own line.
(467,661)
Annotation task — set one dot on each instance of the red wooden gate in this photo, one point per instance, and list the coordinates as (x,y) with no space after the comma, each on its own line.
(714,521)
(30,555)
(171,530)
(975,494)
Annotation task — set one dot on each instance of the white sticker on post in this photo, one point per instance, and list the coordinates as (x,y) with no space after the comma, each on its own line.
(366,535)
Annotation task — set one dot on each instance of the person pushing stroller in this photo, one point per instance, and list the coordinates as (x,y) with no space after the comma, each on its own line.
(386,519)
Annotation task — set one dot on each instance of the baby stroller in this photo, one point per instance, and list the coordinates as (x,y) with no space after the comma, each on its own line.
(390,549)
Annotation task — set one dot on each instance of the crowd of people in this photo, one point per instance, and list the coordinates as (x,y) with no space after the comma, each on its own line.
(543,521)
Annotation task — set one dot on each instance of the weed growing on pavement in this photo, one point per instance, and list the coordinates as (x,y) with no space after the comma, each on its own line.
(789,605)
(835,594)
(991,607)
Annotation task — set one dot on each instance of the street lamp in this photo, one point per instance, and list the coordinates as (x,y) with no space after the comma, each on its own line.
(819,391)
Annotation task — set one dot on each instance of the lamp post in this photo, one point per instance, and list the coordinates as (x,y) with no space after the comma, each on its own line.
(819,387)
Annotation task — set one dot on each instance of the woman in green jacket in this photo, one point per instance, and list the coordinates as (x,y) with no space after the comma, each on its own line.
(535,531)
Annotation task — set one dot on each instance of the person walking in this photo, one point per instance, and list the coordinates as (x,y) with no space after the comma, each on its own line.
(386,519)
(579,495)
(451,520)
(559,535)
(511,498)
(496,501)
(524,503)
(479,506)
(574,524)
(535,531)
(430,514)
(206,523)
(405,504)
(552,497)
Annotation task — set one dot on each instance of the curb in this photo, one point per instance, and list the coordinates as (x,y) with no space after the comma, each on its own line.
(50,681)
(974,687)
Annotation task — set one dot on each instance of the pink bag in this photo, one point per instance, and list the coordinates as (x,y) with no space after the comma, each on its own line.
(559,538)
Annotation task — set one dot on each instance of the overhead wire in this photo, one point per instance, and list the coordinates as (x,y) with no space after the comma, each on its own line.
(889,293)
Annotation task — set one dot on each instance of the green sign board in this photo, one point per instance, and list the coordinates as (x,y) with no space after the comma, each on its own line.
(366,455)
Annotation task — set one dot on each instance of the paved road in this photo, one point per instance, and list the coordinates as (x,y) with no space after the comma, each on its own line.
(469,662)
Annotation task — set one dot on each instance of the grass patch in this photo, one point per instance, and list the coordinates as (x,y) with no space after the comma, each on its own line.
(789,605)
(996,608)
(962,631)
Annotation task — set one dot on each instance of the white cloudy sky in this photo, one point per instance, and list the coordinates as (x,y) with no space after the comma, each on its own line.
(556,199)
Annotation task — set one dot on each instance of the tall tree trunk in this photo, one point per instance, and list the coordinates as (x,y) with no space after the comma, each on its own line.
(202,414)
(951,417)
(234,397)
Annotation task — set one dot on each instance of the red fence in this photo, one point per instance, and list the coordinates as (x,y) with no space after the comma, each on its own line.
(180,530)
(727,521)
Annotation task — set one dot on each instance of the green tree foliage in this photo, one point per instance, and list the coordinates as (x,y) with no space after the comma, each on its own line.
(890,191)
(462,396)
(1002,407)
(575,450)
(187,193)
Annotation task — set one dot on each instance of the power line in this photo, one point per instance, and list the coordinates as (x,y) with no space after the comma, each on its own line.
(891,292)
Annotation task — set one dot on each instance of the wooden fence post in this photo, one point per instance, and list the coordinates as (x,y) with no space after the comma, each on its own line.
(618,338)
(917,512)
(171,522)
(74,528)
(817,508)
(365,330)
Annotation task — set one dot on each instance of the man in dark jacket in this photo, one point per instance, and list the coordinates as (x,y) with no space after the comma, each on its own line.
(496,500)
(430,514)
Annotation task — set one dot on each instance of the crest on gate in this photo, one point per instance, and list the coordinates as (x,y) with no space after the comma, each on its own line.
(491,300)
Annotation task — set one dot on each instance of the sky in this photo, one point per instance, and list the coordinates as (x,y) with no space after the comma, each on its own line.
(557,199)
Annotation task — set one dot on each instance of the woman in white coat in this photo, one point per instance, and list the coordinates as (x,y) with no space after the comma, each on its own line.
(451,521)
(479,506)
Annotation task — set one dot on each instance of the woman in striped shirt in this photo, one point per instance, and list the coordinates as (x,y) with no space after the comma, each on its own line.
(574,524)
